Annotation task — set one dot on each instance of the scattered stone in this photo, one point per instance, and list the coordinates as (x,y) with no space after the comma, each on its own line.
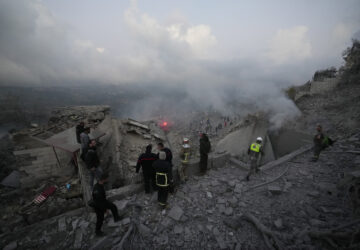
(126,221)
(314,194)
(278,224)
(229,211)
(312,212)
(62,224)
(11,246)
(216,231)
(238,188)
(144,230)
(175,213)
(221,208)
(209,227)
(221,242)
(178,229)
(78,239)
(315,222)
(209,195)
(221,201)
(234,223)
(274,189)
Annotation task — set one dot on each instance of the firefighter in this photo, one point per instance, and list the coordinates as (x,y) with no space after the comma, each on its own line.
(205,147)
(163,178)
(101,204)
(185,156)
(320,142)
(254,151)
(169,158)
(146,161)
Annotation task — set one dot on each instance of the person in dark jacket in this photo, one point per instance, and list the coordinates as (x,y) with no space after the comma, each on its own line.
(169,158)
(254,151)
(93,163)
(101,204)
(163,178)
(205,147)
(320,142)
(85,141)
(79,129)
(146,161)
(168,152)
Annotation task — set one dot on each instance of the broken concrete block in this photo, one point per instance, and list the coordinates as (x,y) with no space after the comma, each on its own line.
(274,189)
(62,224)
(278,224)
(126,221)
(12,180)
(314,194)
(144,230)
(209,195)
(234,222)
(178,229)
(175,213)
(229,211)
(78,239)
(11,246)
(238,188)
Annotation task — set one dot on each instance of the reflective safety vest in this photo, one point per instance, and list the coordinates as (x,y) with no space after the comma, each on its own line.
(161,179)
(255,147)
(186,158)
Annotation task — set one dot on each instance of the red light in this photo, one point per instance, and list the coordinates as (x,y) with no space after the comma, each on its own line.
(165,124)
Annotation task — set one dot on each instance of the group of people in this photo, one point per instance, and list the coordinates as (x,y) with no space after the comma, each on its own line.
(157,171)
(157,168)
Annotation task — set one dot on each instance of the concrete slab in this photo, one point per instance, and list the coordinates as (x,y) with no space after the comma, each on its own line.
(12,180)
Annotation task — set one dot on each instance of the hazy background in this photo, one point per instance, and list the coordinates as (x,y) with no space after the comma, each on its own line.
(151,57)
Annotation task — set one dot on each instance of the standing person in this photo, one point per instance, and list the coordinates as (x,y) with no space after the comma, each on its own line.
(85,140)
(185,156)
(169,158)
(320,142)
(146,161)
(205,147)
(79,129)
(168,152)
(92,163)
(101,204)
(254,152)
(163,178)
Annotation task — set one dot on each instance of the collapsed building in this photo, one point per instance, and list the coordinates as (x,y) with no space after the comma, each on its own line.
(50,187)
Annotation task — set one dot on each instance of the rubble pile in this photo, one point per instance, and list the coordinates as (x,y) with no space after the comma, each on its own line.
(298,209)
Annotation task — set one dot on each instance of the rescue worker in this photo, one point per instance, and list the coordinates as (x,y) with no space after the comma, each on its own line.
(85,140)
(164,178)
(92,163)
(320,142)
(168,152)
(79,129)
(146,161)
(169,158)
(254,151)
(101,204)
(185,156)
(205,147)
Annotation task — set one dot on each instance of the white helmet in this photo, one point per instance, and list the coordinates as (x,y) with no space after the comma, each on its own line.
(259,139)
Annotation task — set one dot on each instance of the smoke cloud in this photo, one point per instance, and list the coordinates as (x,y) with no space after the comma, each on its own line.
(180,65)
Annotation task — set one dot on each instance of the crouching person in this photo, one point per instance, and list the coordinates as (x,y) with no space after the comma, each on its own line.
(163,178)
(101,204)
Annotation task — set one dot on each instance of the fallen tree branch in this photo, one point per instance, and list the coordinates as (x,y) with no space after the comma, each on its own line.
(268,182)
(270,238)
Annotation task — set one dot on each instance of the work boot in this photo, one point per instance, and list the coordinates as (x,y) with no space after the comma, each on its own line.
(99,233)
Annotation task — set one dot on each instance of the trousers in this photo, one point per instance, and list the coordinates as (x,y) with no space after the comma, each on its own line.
(95,174)
(101,209)
(149,180)
(163,195)
(203,162)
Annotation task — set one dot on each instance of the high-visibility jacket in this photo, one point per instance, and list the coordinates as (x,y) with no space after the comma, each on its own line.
(255,147)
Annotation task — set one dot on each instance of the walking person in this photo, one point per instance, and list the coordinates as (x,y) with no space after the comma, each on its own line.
(145,162)
(101,204)
(254,151)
